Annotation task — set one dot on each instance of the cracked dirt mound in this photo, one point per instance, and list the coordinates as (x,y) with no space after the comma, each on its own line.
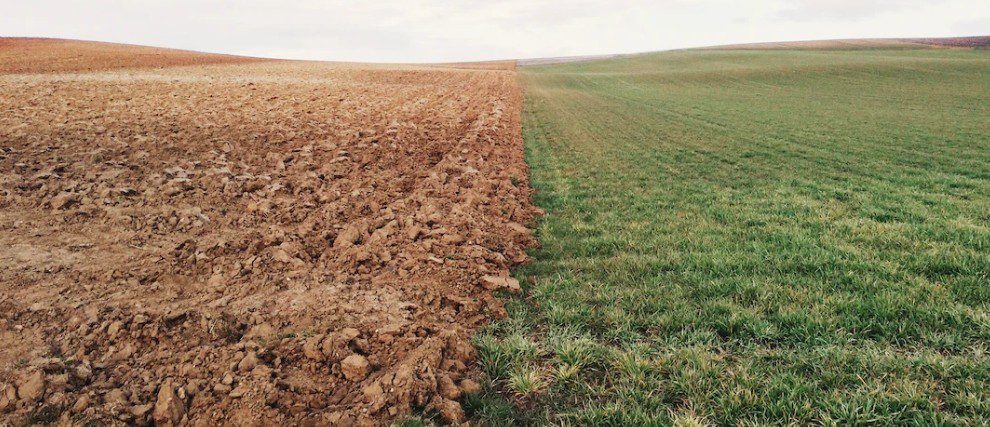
(273,242)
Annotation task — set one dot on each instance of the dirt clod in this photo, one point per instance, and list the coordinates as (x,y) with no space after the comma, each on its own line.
(469,386)
(355,367)
(169,409)
(8,397)
(450,410)
(249,241)
(81,404)
(31,386)
(248,363)
(448,389)
(501,282)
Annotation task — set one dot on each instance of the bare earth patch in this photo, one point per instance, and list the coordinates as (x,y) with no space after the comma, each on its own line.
(251,241)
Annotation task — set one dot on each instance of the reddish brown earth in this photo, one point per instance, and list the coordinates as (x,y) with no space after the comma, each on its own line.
(971,42)
(958,42)
(268,242)
(39,55)
(481,65)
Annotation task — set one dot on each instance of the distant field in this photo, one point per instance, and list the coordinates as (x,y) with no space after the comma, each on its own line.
(847,44)
(785,236)
(43,55)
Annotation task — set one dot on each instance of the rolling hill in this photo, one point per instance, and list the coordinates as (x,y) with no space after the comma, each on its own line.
(787,233)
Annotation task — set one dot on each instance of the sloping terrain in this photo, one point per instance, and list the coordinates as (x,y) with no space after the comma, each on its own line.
(855,44)
(841,44)
(260,241)
(974,42)
(979,42)
(480,65)
(740,237)
(40,55)
(567,59)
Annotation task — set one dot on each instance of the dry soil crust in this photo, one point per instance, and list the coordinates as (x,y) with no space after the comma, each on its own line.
(251,241)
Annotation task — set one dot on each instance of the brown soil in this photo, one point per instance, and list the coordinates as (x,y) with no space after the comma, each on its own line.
(853,44)
(481,65)
(970,42)
(267,242)
(39,55)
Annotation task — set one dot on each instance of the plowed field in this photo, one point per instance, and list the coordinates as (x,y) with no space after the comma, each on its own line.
(241,240)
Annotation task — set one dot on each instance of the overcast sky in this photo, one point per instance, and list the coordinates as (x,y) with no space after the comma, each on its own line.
(439,30)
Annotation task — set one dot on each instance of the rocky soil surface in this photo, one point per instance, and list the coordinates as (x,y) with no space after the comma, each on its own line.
(268,242)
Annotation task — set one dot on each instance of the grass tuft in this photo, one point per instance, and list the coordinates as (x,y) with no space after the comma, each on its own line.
(527,382)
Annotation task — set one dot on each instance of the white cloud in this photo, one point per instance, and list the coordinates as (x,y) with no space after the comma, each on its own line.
(977,26)
(845,10)
(444,30)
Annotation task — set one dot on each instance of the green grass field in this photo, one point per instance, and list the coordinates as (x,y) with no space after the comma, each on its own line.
(747,237)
